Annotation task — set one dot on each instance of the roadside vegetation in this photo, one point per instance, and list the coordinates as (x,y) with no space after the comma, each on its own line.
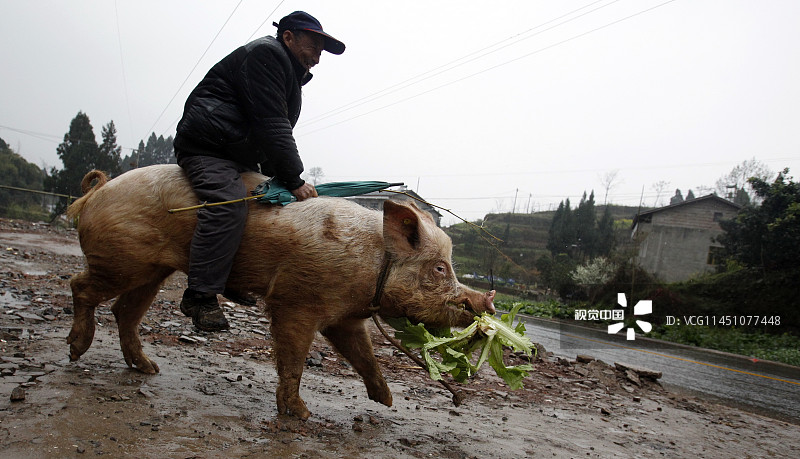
(758,344)
(34,193)
(573,266)
(753,342)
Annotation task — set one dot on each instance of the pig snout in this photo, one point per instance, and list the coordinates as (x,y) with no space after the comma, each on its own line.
(489,298)
(474,303)
(478,302)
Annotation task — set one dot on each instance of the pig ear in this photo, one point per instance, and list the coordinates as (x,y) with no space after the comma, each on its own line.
(401,227)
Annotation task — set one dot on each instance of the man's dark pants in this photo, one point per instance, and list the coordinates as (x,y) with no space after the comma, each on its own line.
(219,228)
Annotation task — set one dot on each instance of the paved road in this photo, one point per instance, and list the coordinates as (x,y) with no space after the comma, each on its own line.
(766,386)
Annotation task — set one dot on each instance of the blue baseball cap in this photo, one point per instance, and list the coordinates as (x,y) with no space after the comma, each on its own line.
(300,20)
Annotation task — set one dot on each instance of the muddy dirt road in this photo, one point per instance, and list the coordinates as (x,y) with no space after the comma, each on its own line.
(215,394)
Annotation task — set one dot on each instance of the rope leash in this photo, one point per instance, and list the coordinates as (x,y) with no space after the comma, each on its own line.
(211,204)
(458,396)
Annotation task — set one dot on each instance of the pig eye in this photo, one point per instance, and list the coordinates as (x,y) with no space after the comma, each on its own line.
(441,269)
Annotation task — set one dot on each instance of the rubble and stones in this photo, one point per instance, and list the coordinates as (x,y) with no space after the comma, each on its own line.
(215,393)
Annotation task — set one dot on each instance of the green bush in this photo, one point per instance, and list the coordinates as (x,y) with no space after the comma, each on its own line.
(550,309)
(758,344)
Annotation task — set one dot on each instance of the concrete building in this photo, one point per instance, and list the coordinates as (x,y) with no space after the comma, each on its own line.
(375,201)
(676,240)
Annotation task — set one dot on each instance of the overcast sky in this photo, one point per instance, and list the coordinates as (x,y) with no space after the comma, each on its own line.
(470,103)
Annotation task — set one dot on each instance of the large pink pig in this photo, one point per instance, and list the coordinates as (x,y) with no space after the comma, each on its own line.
(315,263)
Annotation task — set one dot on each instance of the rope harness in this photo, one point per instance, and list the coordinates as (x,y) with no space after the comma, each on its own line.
(375,305)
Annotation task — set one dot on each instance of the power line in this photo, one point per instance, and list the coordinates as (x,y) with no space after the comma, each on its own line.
(195,66)
(122,65)
(450,65)
(492,67)
(428,74)
(265,21)
(173,123)
(38,135)
(49,137)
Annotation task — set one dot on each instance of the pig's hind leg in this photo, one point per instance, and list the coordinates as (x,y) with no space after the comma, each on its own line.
(87,293)
(352,341)
(129,309)
(93,286)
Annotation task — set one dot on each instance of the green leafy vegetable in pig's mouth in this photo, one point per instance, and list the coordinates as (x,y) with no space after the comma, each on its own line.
(456,349)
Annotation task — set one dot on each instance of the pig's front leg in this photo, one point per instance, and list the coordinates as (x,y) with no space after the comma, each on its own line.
(292,337)
(352,341)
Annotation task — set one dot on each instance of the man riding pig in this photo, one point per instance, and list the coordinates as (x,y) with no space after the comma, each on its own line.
(320,265)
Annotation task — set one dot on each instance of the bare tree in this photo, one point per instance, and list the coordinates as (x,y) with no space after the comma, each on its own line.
(728,185)
(659,187)
(315,174)
(609,181)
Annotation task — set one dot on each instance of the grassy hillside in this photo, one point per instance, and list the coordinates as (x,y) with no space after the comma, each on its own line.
(524,239)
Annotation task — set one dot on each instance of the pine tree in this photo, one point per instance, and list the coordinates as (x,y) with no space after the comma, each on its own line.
(108,159)
(79,153)
(605,234)
(137,155)
(578,233)
(562,234)
(164,151)
(677,198)
(585,227)
(158,150)
(147,157)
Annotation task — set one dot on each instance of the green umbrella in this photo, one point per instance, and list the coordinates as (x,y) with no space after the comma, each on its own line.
(273,191)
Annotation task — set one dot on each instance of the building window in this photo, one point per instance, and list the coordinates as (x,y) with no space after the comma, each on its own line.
(717,216)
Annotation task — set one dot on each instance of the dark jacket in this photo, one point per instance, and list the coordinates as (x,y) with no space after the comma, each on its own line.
(244,110)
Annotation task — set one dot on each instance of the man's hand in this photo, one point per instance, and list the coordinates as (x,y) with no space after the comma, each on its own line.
(304,192)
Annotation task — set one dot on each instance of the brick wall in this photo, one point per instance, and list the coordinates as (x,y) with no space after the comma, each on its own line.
(676,241)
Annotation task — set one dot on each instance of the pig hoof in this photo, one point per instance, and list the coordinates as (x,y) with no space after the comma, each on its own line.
(77,346)
(144,365)
(386,401)
(300,411)
(303,415)
(381,395)
(149,368)
(294,407)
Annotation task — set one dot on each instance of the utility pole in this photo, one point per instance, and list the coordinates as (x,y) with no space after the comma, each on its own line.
(514,207)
